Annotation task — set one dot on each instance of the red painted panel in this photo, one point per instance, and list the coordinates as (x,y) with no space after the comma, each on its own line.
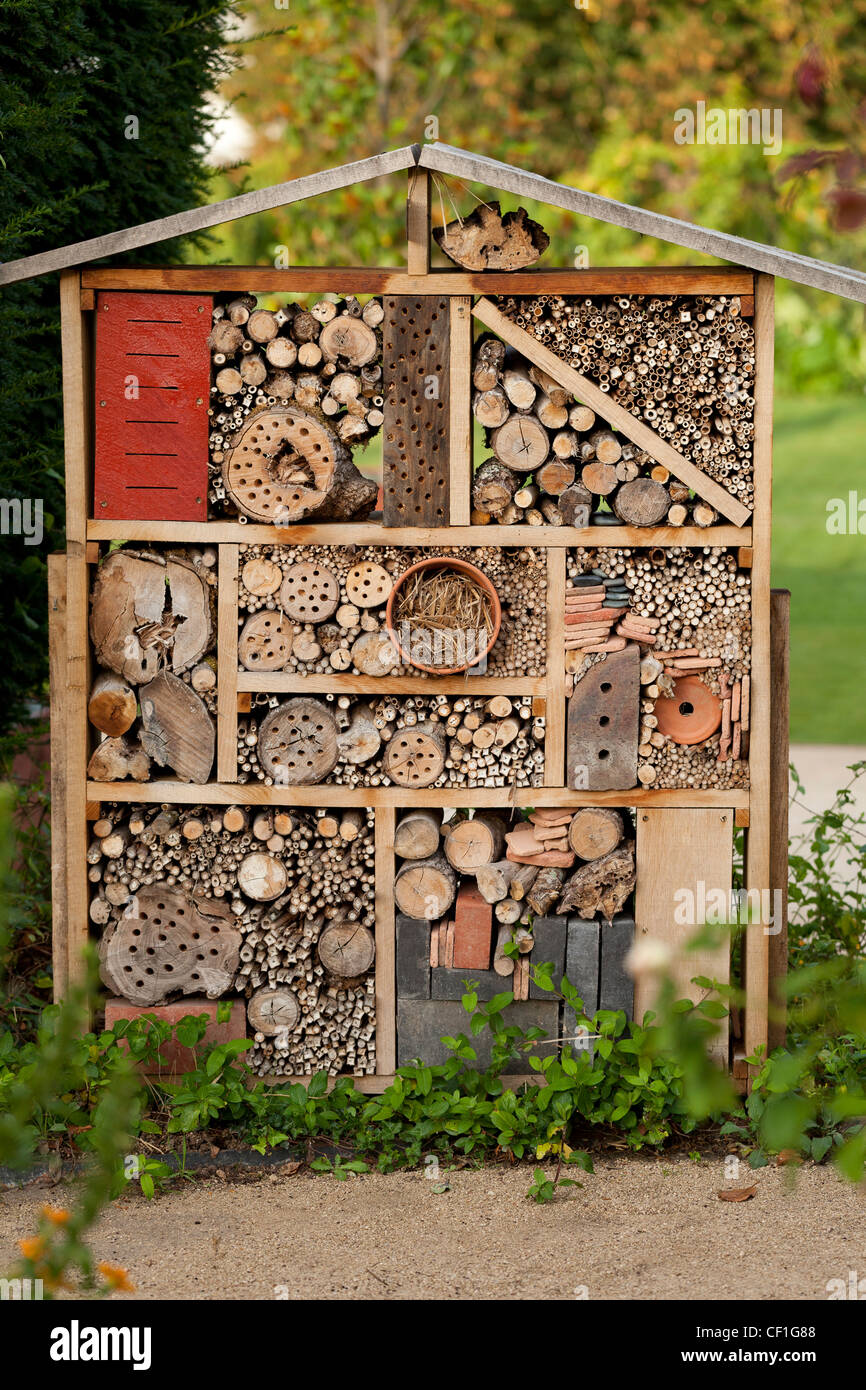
(152,394)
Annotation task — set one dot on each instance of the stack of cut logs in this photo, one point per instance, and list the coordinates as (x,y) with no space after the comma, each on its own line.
(279,904)
(318,369)
(689,611)
(684,365)
(520,874)
(554,462)
(307,961)
(322,608)
(153,633)
(414,741)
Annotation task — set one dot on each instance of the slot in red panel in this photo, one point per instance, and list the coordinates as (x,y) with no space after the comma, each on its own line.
(152,393)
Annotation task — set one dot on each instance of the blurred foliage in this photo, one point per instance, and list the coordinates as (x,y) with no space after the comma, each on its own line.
(585,96)
(25,960)
(72,75)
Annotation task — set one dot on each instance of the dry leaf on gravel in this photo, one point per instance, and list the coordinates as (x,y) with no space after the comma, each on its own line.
(737,1194)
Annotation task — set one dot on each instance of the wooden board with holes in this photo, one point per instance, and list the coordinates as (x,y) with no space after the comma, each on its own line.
(416,460)
(684,876)
(152,377)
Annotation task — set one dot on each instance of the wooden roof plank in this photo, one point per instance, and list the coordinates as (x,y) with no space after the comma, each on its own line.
(790,265)
(634,429)
(210,215)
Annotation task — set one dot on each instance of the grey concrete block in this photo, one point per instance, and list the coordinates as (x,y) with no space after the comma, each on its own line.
(581,969)
(448,984)
(413,958)
(616,988)
(550,934)
(422,1022)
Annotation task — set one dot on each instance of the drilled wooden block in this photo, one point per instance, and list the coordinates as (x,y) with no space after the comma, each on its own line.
(152,376)
(603,716)
(415,455)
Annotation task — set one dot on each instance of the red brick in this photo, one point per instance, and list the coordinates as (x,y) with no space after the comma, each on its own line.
(473,930)
(179,1059)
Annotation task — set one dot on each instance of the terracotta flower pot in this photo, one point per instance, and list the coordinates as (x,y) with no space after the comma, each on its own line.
(447,562)
(691,714)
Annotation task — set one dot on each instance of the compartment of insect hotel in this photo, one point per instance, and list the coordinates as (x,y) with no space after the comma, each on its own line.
(488,895)
(153,634)
(274,905)
(389,611)
(409,742)
(658,667)
(558,391)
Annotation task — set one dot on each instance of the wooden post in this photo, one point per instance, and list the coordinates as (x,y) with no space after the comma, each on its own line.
(758,863)
(386,965)
(77,428)
(418,222)
(780,614)
(57,681)
(227,664)
(554,740)
(460,412)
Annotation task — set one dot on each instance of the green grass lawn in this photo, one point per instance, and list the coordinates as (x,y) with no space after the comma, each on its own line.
(819,450)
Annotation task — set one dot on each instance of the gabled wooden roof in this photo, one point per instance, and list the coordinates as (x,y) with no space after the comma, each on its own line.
(448,159)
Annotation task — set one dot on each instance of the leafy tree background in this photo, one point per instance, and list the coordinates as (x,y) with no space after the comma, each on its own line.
(70,75)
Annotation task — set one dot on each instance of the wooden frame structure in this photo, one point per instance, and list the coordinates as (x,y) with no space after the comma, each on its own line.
(77,800)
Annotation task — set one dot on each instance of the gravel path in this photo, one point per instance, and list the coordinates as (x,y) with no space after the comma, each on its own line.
(639,1229)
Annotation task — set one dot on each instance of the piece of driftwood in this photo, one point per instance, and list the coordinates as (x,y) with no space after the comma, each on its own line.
(485,240)
(603,885)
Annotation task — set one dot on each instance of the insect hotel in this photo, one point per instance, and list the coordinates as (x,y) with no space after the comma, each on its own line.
(323,749)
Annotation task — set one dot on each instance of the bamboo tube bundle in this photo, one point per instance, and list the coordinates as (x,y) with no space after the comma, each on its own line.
(322,365)
(415,741)
(319,609)
(684,365)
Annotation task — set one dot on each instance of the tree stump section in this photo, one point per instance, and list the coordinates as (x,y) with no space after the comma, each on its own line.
(272,1011)
(285,464)
(374,653)
(310,593)
(262,877)
(146,611)
(603,715)
(425,889)
(417,834)
(361,741)
(522,443)
(642,502)
(415,757)
(115,759)
(595,831)
(298,742)
(265,643)
(176,729)
(368,585)
(112,706)
(167,943)
(474,843)
(347,949)
(261,577)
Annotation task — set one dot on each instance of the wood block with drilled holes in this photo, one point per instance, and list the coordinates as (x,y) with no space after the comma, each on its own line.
(603,718)
(415,453)
(152,376)
(473,929)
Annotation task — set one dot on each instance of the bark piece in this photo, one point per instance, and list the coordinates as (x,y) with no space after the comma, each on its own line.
(494,487)
(298,742)
(485,240)
(602,886)
(575,505)
(167,942)
(115,759)
(176,729)
(545,890)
